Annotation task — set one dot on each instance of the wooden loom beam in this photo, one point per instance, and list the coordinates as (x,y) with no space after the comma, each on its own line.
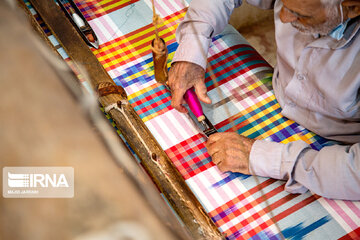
(153,158)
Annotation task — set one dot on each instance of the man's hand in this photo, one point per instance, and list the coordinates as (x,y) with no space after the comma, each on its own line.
(230,151)
(183,76)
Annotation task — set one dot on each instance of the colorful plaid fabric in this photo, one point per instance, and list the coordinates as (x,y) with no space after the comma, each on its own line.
(241,206)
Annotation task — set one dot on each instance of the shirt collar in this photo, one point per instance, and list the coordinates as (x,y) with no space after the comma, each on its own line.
(328,42)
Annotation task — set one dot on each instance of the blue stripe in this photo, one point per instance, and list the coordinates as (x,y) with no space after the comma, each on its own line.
(229,178)
(298,231)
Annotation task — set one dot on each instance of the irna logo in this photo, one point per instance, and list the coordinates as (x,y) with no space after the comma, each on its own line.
(36,180)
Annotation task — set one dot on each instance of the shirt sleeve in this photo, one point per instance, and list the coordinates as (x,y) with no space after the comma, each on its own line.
(332,172)
(204,19)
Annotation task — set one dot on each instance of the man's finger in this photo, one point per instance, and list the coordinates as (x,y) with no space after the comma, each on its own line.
(222,168)
(201,92)
(214,137)
(216,158)
(213,148)
(177,100)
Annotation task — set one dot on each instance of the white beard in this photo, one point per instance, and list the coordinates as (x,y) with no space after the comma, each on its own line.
(333,20)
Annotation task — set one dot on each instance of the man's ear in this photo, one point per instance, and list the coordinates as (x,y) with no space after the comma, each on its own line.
(351,8)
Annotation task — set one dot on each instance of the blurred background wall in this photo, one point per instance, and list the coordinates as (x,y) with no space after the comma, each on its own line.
(257,26)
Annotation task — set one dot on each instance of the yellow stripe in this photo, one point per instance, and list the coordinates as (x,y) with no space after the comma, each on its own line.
(126,57)
(151,116)
(114,5)
(115,54)
(103,2)
(148,69)
(257,116)
(142,91)
(145,31)
(307,138)
(255,85)
(130,47)
(134,45)
(118,3)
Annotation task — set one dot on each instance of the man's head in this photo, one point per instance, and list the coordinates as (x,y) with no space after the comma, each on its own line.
(318,16)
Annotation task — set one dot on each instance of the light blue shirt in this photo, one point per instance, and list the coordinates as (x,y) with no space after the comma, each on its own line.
(317,84)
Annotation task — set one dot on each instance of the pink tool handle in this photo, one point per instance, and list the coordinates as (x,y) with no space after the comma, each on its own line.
(193,102)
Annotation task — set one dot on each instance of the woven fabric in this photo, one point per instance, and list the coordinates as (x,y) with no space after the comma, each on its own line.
(241,206)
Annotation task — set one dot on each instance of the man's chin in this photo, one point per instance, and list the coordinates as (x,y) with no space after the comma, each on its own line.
(311,31)
(303,29)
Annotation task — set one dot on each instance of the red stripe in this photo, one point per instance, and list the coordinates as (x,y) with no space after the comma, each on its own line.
(238,73)
(261,186)
(130,51)
(242,196)
(256,56)
(259,200)
(293,208)
(233,57)
(181,150)
(352,235)
(230,49)
(97,9)
(283,214)
(117,7)
(266,210)
(89,9)
(232,119)
(134,49)
(120,6)
(143,29)
(238,63)
(115,1)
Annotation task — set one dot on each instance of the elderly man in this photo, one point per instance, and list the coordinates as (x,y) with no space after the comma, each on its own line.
(316,81)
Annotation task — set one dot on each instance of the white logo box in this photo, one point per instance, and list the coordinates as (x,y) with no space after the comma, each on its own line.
(38,182)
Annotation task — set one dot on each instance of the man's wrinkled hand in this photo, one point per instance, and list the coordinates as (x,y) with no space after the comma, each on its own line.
(230,151)
(183,76)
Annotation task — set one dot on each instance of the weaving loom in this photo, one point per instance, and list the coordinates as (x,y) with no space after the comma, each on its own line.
(241,206)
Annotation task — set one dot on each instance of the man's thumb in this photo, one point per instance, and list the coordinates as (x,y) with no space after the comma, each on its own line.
(201,92)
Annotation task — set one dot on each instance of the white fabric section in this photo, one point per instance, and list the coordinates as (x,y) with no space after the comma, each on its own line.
(349,213)
(212,197)
(138,86)
(166,131)
(105,29)
(325,203)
